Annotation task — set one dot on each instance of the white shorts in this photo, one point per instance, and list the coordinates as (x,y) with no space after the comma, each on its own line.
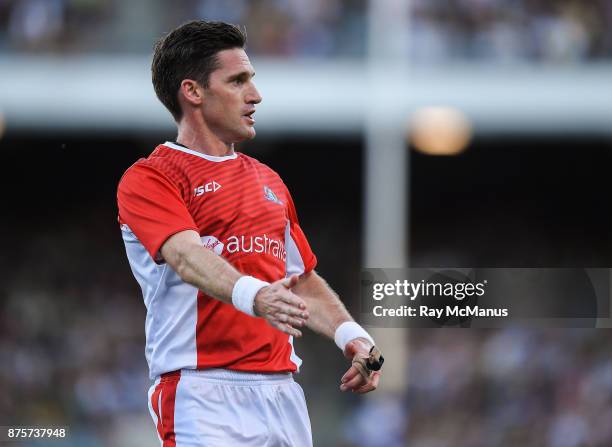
(218,407)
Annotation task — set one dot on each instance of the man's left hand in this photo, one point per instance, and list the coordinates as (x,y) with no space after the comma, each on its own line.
(353,380)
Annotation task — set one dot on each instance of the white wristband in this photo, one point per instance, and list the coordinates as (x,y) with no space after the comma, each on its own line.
(349,330)
(243,294)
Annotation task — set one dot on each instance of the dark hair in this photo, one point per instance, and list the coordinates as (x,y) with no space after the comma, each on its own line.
(190,52)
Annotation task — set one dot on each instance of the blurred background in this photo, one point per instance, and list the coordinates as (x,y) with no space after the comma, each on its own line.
(430,133)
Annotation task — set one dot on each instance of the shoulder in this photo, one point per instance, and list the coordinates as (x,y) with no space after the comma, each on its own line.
(162,168)
(257,165)
(162,164)
(273,183)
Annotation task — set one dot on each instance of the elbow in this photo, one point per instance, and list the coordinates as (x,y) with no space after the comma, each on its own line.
(181,266)
(180,251)
(178,259)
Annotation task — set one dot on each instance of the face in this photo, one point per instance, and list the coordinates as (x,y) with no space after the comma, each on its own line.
(231,96)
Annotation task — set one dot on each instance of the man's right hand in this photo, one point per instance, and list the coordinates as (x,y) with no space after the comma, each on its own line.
(281,308)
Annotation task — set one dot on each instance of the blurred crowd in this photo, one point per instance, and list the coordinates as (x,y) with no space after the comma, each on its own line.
(71,352)
(72,325)
(71,335)
(548,31)
(511,387)
(554,31)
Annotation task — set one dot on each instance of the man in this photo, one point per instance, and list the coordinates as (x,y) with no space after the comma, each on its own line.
(227,275)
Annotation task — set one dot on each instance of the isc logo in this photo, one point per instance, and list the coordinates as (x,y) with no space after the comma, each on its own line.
(209,187)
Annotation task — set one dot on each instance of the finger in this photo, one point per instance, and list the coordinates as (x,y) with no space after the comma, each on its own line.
(371,385)
(352,372)
(353,384)
(286,328)
(294,300)
(364,389)
(293,312)
(290,282)
(296,322)
(375,379)
(286,319)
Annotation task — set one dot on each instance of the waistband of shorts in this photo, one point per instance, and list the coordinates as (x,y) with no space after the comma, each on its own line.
(221,375)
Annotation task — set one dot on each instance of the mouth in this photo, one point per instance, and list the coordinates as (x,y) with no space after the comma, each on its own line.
(249,117)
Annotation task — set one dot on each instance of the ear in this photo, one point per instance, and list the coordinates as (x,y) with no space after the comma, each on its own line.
(192,92)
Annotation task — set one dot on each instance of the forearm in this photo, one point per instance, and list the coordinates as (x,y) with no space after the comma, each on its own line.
(200,267)
(326,310)
(329,317)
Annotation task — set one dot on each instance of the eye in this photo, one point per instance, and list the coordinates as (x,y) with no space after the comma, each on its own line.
(238,81)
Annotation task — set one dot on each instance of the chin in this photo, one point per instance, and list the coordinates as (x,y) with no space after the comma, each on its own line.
(250,134)
(243,136)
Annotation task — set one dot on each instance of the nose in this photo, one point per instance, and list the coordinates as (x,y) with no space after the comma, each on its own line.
(253,96)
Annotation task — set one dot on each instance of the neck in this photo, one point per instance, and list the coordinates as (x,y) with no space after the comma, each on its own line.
(197,136)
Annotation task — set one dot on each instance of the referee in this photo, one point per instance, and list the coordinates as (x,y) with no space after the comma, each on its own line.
(227,274)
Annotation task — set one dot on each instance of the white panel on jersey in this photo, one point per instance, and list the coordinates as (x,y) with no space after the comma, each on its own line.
(294,266)
(294,263)
(293,356)
(172,310)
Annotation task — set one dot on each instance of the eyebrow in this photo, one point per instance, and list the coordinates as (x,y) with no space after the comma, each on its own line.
(243,74)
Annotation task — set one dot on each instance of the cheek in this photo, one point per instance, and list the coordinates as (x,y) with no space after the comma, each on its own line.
(228,103)
(215,109)
(223,109)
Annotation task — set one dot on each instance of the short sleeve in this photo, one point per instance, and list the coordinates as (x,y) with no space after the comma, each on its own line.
(152,207)
(300,258)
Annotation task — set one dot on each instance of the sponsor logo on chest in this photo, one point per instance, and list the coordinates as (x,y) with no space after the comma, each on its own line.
(213,244)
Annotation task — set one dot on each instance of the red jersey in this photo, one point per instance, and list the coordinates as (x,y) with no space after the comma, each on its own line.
(242,211)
